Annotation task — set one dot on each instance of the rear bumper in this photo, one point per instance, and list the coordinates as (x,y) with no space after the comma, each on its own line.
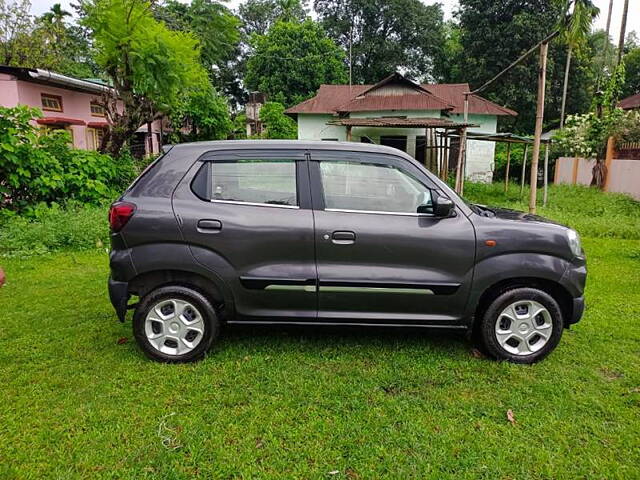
(119,296)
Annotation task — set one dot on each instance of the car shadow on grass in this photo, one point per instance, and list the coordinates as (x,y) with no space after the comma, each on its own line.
(320,338)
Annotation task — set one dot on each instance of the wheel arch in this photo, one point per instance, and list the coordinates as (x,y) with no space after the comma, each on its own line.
(220,297)
(559,293)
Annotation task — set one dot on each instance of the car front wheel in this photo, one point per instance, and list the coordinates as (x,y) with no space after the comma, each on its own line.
(175,324)
(522,325)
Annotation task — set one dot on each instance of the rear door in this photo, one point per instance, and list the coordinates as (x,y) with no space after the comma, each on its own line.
(247,216)
(378,260)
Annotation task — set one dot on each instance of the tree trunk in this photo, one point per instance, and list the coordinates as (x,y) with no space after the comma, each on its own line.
(542,77)
(565,86)
(623,30)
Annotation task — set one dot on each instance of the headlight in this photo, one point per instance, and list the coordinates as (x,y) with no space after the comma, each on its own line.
(574,242)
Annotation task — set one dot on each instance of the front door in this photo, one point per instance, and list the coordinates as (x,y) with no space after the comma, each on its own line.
(378,260)
(246,216)
(395,141)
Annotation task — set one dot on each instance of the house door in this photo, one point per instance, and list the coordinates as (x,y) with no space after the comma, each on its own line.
(395,141)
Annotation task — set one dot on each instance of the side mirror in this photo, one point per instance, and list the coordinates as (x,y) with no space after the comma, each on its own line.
(442,207)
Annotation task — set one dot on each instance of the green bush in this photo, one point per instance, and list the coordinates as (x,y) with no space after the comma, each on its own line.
(43,229)
(40,165)
(277,124)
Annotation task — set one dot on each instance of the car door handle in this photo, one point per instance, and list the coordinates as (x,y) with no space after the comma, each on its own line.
(342,237)
(209,226)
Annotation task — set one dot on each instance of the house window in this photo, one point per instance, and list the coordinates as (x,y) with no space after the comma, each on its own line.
(61,126)
(95,138)
(52,103)
(97,110)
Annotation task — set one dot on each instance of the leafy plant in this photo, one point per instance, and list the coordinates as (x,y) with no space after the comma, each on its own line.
(43,228)
(41,166)
(277,124)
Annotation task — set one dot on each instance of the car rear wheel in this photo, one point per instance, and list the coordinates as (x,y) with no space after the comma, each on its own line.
(175,324)
(522,325)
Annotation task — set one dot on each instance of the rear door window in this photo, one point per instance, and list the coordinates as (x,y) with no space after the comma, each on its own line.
(255,181)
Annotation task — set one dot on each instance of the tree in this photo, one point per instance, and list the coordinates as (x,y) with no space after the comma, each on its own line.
(277,124)
(292,60)
(586,135)
(632,77)
(385,36)
(150,67)
(575,27)
(203,115)
(55,15)
(623,29)
(216,29)
(22,43)
(257,16)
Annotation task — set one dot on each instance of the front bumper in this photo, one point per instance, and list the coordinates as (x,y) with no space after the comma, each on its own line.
(119,296)
(577,311)
(574,280)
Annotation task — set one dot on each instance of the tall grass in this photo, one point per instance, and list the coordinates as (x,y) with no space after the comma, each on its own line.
(82,227)
(588,210)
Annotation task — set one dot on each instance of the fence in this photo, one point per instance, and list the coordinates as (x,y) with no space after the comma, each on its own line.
(623,169)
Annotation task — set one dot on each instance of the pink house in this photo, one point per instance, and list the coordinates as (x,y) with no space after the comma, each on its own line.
(69,103)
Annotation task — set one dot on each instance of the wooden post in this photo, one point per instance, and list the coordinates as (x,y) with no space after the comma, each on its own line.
(427,162)
(348,133)
(445,156)
(546,174)
(463,138)
(524,166)
(611,149)
(506,173)
(537,137)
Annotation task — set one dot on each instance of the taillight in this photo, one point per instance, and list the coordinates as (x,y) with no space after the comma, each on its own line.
(119,215)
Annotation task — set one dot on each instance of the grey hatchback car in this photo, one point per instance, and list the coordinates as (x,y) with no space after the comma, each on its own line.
(329,233)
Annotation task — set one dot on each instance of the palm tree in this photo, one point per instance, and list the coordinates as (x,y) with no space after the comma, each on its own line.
(623,29)
(575,27)
(55,16)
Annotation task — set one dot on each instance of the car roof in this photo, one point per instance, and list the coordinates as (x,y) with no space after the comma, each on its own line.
(203,147)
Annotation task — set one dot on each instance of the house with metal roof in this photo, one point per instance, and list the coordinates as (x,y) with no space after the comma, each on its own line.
(630,103)
(70,104)
(418,119)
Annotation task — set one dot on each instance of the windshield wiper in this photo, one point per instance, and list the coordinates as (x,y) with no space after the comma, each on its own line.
(484,211)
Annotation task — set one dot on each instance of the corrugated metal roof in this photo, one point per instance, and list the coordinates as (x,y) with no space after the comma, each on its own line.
(453,93)
(631,102)
(425,122)
(332,99)
(414,101)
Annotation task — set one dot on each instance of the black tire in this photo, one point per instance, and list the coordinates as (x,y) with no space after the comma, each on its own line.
(202,305)
(488,321)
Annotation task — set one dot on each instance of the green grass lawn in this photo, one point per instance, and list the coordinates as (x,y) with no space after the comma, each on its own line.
(77,401)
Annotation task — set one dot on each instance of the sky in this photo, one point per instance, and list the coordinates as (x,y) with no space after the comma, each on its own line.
(633,18)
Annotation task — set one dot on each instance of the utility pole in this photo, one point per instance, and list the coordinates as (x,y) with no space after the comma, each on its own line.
(623,30)
(565,86)
(542,77)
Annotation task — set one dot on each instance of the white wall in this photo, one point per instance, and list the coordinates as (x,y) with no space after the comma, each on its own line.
(480,155)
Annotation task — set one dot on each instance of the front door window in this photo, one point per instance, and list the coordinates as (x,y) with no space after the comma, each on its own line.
(369,187)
